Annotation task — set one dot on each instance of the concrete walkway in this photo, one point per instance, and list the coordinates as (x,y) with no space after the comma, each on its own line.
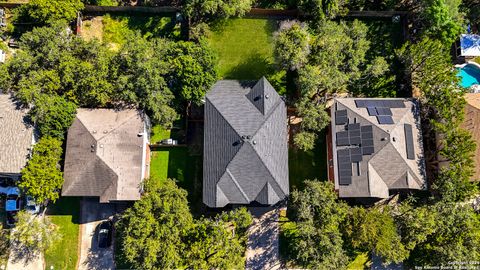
(91,256)
(19,260)
(263,250)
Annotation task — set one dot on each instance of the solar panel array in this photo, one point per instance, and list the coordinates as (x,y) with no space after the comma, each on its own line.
(360,140)
(381,109)
(361,103)
(409,141)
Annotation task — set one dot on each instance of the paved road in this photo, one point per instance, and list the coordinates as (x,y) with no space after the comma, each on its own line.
(92,257)
(263,251)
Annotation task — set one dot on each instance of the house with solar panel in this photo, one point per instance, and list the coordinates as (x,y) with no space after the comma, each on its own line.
(107,155)
(245,145)
(376,147)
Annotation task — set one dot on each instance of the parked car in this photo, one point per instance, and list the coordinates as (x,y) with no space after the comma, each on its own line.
(105,234)
(12,206)
(12,43)
(31,206)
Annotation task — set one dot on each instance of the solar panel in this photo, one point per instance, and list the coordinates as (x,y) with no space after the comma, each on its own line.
(341,117)
(366,128)
(367,150)
(371,111)
(360,103)
(355,140)
(367,135)
(354,126)
(354,133)
(394,103)
(385,120)
(356,154)
(409,141)
(343,142)
(345,180)
(342,134)
(383,111)
(367,142)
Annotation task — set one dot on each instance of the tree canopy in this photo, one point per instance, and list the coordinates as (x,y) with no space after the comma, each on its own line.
(42,177)
(316,240)
(49,11)
(159,232)
(34,233)
(208,10)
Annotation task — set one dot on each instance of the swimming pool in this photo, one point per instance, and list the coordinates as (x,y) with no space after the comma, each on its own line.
(469,75)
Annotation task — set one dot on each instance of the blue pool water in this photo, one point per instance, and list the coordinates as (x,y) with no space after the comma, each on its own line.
(469,75)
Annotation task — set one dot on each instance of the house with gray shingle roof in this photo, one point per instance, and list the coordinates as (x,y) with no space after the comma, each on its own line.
(107,155)
(16,137)
(245,145)
(376,147)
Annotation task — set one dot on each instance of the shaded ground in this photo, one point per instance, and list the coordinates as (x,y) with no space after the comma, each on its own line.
(91,256)
(20,259)
(244,48)
(263,249)
(305,165)
(65,213)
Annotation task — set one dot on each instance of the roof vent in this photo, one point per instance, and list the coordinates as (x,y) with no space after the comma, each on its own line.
(383,139)
(254,142)
(249,137)
(105,132)
(92,146)
(394,139)
(101,145)
(244,137)
(94,131)
(140,134)
(267,96)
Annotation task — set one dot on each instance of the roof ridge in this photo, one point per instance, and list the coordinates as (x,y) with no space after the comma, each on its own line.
(119,125)
(274,108)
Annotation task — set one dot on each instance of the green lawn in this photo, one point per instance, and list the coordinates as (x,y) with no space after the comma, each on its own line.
(158,134)
(244,48)
(308,165)
(65,213)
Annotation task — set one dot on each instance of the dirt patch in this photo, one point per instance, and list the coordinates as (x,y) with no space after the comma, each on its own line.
(92,28)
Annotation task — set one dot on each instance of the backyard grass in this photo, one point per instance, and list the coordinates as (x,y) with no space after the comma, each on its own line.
(65,214)
(305,165)
(244,48)
(158,134)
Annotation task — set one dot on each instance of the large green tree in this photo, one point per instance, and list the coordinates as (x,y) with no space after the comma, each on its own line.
(209,10)
(374,230)
(321,10)
(316,239)
(53,115)
(193,69)
(292,46)
(428,69)
(151,231)
(49,11)
(443,20)
(454,235)
(42,177)
(33,234)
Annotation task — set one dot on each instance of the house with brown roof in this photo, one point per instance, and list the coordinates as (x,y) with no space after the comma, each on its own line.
(375,147)
(107,155)
(16,138)
(472,124)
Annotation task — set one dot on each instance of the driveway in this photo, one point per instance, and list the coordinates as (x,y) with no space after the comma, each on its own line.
(263,250)
(92,214)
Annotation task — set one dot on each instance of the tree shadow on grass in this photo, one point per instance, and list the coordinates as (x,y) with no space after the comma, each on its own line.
(251,68)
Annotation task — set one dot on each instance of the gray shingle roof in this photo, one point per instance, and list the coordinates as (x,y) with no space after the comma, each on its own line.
(245,145)
(16,137)
(106,155)
(388,167)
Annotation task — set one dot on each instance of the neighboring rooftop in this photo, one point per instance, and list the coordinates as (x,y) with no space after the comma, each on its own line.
(106,155)
(376,147)
(16,137)
(472,124)
(245,145)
